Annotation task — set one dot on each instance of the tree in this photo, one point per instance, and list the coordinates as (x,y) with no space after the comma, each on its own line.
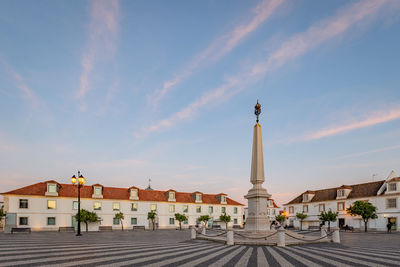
(152,217)
(364,209)
(87,217)
(204,219)
(280,218)
(328,217)
(2,213)
(301,217)
(180,218)
(120,217)
(226,219)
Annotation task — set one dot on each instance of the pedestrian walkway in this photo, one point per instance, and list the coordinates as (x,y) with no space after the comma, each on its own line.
(173,248)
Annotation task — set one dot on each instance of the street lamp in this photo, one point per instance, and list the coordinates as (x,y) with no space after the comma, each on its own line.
(81,182)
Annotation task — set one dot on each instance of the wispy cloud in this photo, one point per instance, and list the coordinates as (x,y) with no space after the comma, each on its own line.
(221,46)
(371,119)
(297,45)
(20,83)
(373,151)
(103,29)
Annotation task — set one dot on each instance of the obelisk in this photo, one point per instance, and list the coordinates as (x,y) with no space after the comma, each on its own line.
(257,220)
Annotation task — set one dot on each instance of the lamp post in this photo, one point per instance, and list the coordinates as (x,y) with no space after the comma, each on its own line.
(81,182)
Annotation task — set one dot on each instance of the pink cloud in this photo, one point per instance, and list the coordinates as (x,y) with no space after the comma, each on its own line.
(370,120)
(294,47)
(221,46)
(103,29)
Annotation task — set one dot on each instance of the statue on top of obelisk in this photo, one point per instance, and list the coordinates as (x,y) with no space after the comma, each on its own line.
(257,220)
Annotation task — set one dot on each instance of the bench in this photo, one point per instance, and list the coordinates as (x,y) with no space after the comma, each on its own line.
(105,228)
(313,227)
(346,227)
(216,226)
(138,227)
(20,230)
(236,226)
(66,229)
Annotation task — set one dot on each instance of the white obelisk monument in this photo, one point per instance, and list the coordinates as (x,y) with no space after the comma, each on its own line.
(257,220)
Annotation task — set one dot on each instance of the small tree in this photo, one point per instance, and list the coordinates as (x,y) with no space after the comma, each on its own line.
(226,219)
(301,217)
(87,217)
(204,219)
(120,217)
(152,217)
(180,218)
(280,218)
(328,217)
(2,213)
(364,209)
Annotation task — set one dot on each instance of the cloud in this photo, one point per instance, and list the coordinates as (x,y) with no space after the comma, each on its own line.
(372,119)
(221,46)
(382,149)
(26,91)
(103,29)
(294,47)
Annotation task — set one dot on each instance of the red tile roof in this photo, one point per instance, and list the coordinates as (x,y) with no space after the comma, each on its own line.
(68,190)
(357,191)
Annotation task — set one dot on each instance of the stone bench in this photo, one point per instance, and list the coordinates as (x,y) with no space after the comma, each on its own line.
(105,228)
(21,230)
(66,229)
(236,226)
(314,227)
(138,227)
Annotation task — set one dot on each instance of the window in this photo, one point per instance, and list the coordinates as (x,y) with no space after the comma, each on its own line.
(133,220)
(74,205)
(134,193)
(340,206)
(268,211)
(116,206)
(185,222)
(305,208)
(198,197)
(97,205)
(52,188)
(171,195)
(291,209)
(171,221)
(185,208)
(392,187)
(153,207)
(235,210)
(51,204)
(210,209)
(198,209)
(274,211)
(115,221)
(134,206)
(23,220)
(305,197)
(223,199)
(235,221)
(97,191)
(171,208)
(321,207)
(391,203)
(223,210)
(341,193)
(51,220)
(23,203)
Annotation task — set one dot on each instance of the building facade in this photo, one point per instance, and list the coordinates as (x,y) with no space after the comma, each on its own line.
(384,195)
(50,205)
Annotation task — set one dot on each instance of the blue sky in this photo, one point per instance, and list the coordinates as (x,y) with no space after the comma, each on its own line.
(130,90)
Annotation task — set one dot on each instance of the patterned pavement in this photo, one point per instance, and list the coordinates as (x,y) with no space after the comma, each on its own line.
(173,248)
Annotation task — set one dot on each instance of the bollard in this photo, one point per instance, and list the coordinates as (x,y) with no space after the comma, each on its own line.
(281,238)
(324,232)
(229,238)
(193,233)
(335,235)
(203,230)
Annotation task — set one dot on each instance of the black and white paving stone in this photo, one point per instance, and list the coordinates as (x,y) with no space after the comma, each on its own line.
(174,248)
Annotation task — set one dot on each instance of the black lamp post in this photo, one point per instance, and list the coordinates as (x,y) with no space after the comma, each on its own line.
(81,182)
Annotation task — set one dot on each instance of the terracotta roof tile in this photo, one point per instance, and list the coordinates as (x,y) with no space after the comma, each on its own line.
(68,190)
(357,191)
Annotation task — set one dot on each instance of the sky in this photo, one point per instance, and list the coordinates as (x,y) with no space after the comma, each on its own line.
(125,91)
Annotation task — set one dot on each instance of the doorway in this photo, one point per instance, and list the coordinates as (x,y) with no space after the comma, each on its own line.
(341,222)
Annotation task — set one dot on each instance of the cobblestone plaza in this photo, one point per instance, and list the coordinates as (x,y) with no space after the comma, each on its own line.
(174,248)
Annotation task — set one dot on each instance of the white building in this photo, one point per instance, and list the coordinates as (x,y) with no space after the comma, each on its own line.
(272,210)
(384,195)
(50,205)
